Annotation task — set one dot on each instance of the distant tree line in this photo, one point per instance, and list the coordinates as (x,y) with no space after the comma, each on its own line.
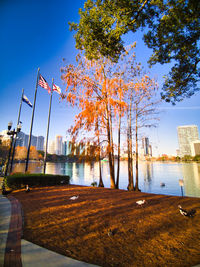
(186,158)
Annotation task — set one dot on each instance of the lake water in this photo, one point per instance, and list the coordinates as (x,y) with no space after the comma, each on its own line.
(151,175)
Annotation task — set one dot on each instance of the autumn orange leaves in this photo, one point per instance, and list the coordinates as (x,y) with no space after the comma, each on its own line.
(106,93)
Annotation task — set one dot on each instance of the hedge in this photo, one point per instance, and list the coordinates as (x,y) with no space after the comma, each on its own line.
(19,180)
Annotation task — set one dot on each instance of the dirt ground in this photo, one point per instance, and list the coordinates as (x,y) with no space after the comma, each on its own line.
(108,228)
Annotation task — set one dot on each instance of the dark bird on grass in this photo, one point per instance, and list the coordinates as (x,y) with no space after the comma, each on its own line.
(112,232)
(4,191)
(187,213)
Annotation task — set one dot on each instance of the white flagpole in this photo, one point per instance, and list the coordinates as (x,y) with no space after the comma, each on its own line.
(47,136)
(30,135)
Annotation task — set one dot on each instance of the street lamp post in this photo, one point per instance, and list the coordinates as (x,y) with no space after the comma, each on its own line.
(181,183)
(12,133)
(14,145)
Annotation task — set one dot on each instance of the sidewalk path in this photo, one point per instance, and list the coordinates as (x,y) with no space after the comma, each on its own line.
(5,211)
(12,255)
(18,252)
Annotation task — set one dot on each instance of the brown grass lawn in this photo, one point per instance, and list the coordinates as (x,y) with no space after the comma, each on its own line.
(106,227)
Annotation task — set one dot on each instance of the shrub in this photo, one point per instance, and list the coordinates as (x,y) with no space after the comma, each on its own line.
(19,180)
(187,158)
(197,158)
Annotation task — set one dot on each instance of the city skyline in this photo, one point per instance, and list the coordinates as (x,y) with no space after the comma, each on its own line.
(30,41)
(188,139)
(23,139)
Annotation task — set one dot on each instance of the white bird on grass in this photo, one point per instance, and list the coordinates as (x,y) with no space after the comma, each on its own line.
(74,197)
(140,202)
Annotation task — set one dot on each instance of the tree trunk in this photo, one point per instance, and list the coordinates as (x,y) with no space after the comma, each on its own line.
(130,151)
(100,173)
(112,177)
(99,157)
(136,151)
(131,156)
(112,145)
(118,156)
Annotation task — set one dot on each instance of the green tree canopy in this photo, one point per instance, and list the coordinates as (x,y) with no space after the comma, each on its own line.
(172,32)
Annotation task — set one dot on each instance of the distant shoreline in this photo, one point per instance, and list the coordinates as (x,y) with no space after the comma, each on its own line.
(92,161)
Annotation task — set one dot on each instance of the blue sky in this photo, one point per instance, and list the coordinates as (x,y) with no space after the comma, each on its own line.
(35,33)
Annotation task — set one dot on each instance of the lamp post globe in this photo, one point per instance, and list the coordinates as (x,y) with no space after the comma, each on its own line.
(9,125)
(19,127)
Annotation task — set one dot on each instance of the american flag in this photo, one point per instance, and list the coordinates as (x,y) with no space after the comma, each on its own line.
(43,83)
(56,88)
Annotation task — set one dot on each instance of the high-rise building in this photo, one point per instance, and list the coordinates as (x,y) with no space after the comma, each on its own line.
(40,143)
(146,147)
(59,147)
(66,148)
(51,147)
(22,140)
(195,148)
(34,140)
(25,140)
(186,136)
(58,144)
(150,151)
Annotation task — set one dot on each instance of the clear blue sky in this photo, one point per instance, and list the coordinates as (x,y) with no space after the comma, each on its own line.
(35,33)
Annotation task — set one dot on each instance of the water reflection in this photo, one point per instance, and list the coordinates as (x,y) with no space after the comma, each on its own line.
(191,177)
(151,175)
(91,173)
(51,168)
(33,167)
(147,172)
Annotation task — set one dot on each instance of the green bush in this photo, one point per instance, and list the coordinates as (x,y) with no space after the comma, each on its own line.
(197,158)
(19,180)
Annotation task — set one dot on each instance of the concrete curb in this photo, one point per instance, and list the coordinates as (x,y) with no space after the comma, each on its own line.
(36,256)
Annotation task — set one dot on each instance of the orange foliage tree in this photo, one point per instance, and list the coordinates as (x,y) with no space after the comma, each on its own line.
(20,153)
(33,153)
(4,149)
(104,92)
(93,87)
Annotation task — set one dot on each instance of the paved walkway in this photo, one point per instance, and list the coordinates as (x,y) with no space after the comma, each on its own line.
(5,211)
(17,252)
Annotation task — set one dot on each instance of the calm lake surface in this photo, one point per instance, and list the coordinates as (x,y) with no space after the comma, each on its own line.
(151,175)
